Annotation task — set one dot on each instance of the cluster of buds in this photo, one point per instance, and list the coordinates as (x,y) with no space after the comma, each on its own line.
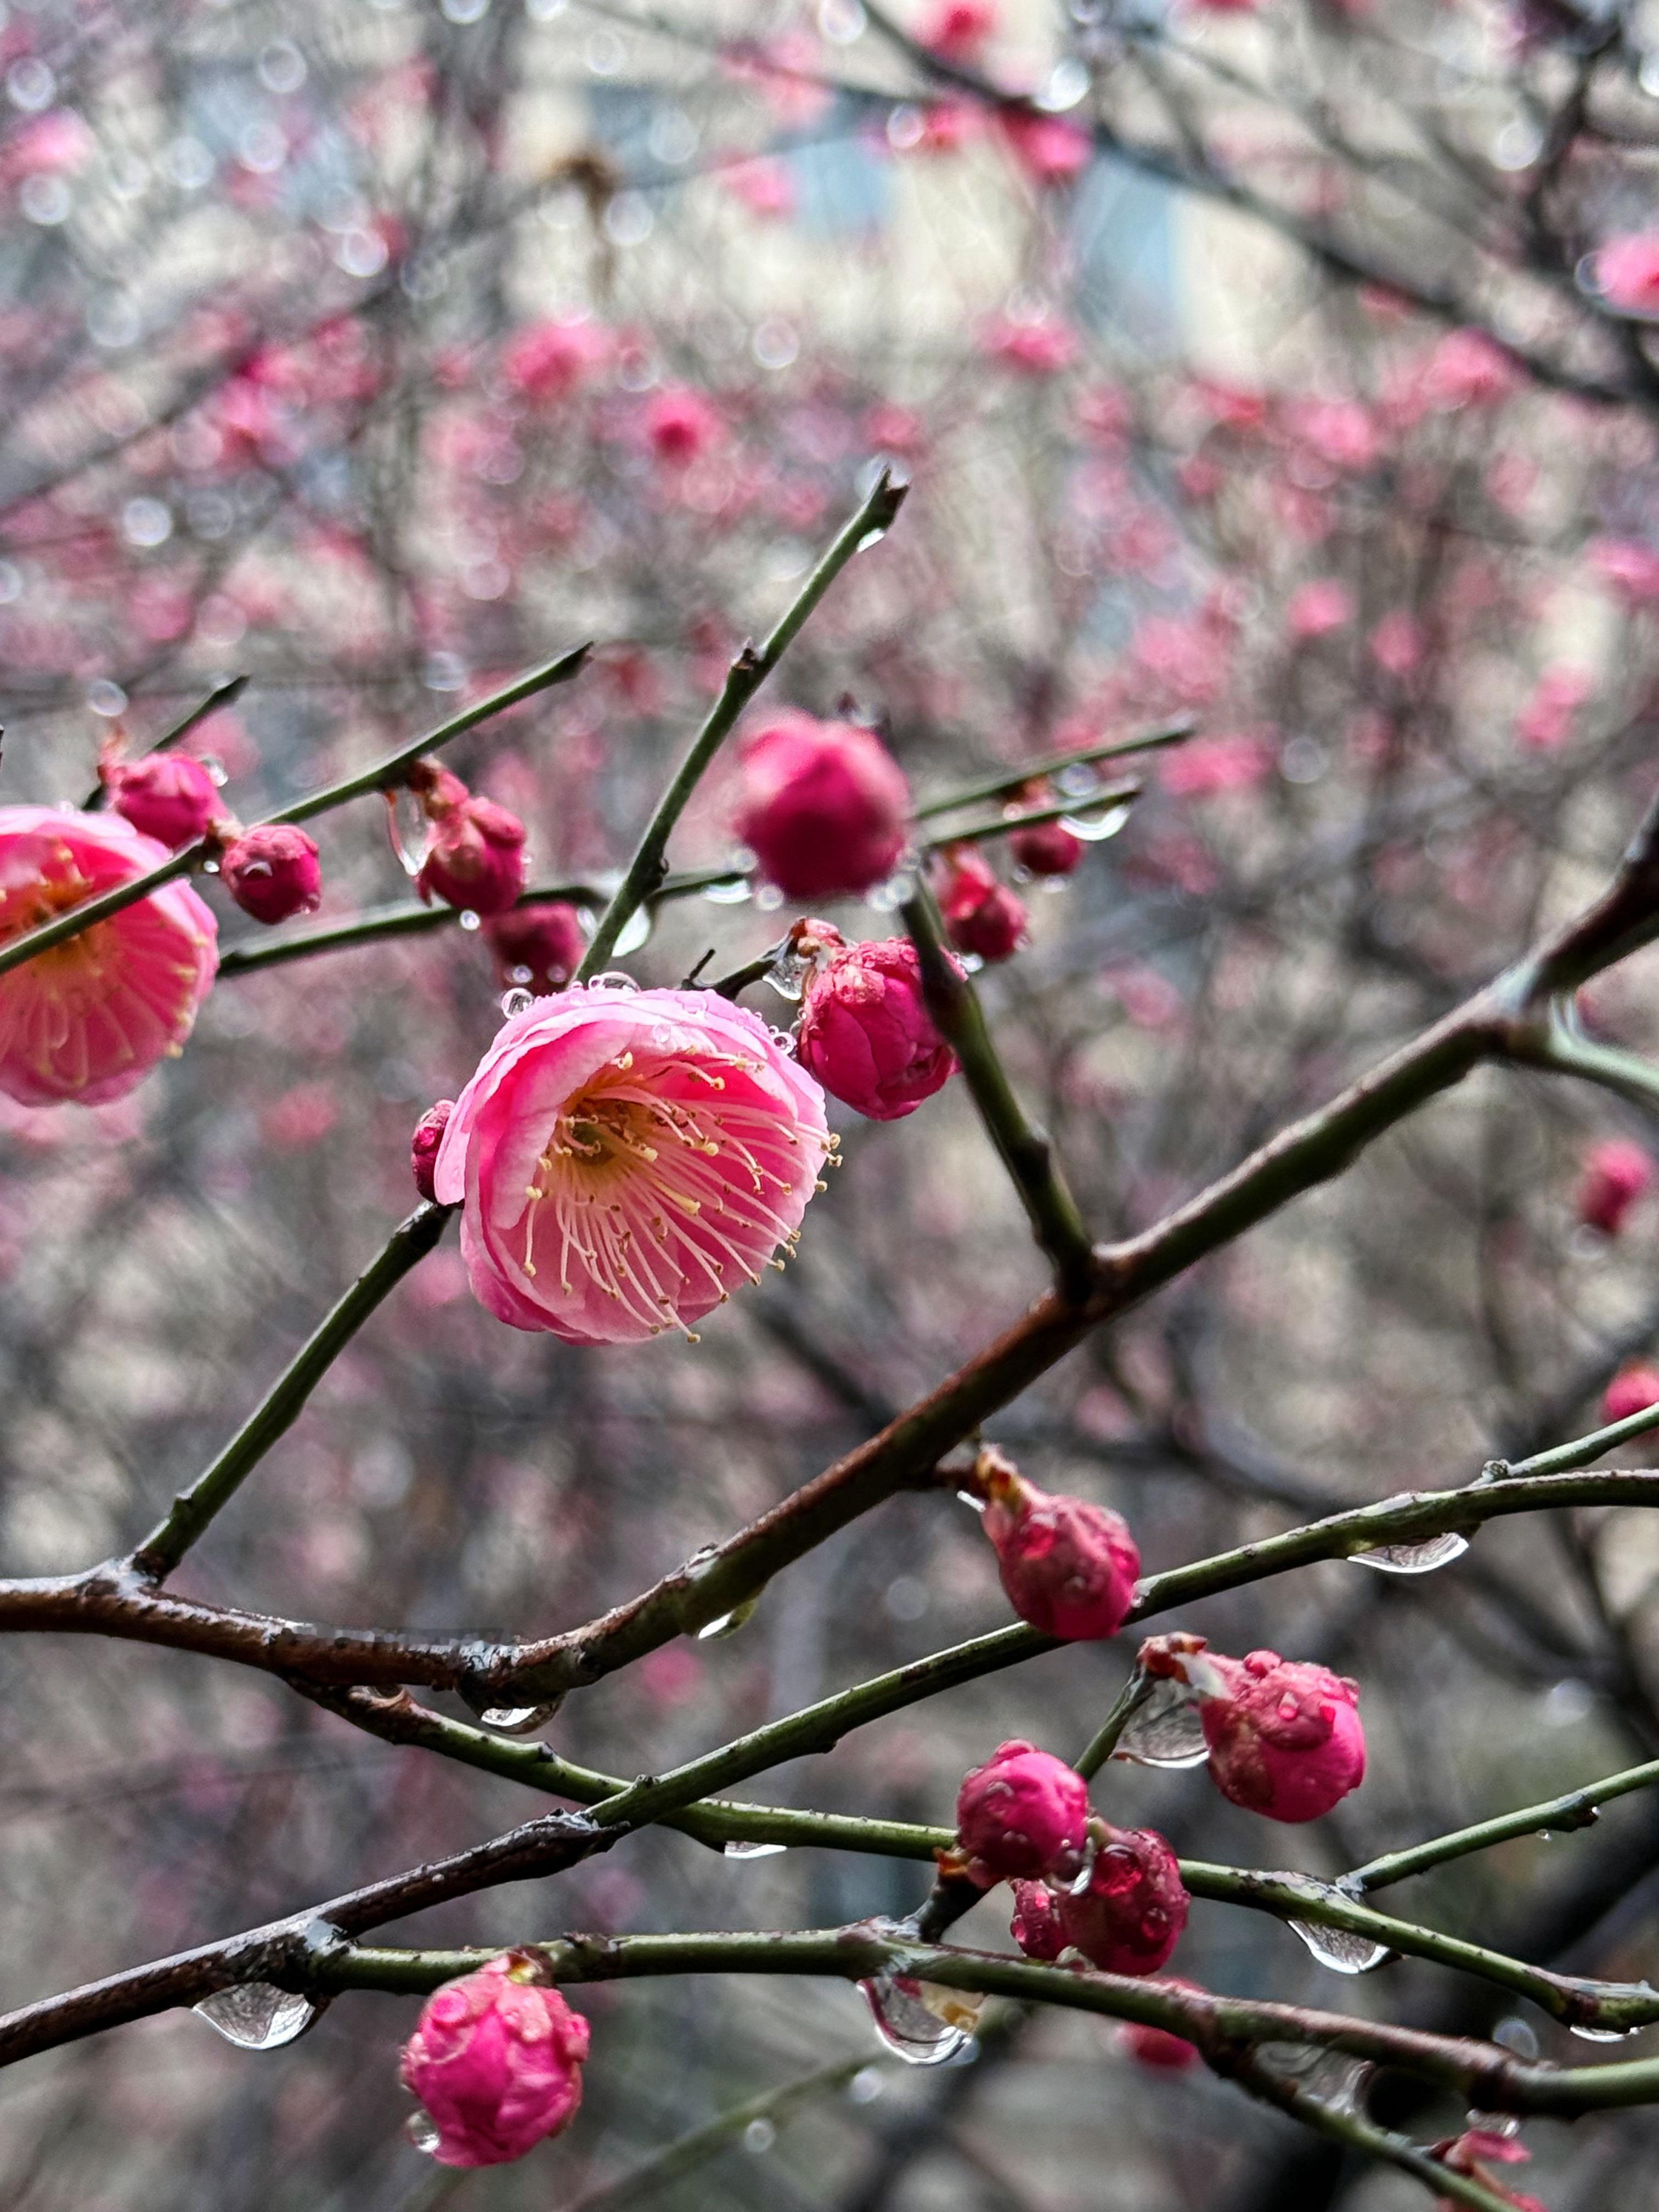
(272,871)
(982,917)
(865,1031)
(1069,1567)
(823,807)
(1284,1737)
(475,860)
(496,2063)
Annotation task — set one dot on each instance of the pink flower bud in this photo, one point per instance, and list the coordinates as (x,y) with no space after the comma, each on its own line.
(496,2062)
(1046,848)
(272,872)
(1615,1175)
(1283,1734)
(537,947)
(1023,1812)
(981,916)
(167,796)
(1472,2154)
(477,861)
(958,29)
(1155,2047)
(1632,1390)
(680,425)
(1128,1916)
(1036,1924)
(824,806)
(423,1145)
(1627,270)
(1069,1567)
(864,1029)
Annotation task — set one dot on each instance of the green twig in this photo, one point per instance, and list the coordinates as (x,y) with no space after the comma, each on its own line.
(1006,779)
(1576,1808)
(1061,809)
(744,678)
(222,695)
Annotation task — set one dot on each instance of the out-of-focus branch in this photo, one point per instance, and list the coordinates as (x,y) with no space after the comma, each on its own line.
(744,678)
(1007,779)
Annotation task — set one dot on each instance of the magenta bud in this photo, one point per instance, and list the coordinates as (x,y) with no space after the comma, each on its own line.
(824,806)
(477,859)
(423,1145)
(865,1034)
(1036,1924)
(1022,1813)
(1615,1175)
(167,796)
(496,2063)
(272,872)
(537,947)
(1632,1390)
(1285,1735)
(981,916)
(1069,1568)
(1157,2047)
(1046,848)
(1126,1916)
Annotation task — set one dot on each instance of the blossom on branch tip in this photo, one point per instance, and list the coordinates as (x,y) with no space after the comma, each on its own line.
(1069,1568)
(166,796)
(1127,1911)
(824,806)
(88,1019)
(1022,1813)
(625,1159)
(981,916)
(495,2063)
(1284,1734)
(272,872)
(865,1033)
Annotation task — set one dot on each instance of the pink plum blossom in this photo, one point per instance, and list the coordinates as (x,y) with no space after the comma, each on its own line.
(539,947)
(957,29)
(625,1158)
(1128,1916)
(982,917)
(1632,1390)
(423,1145)
(1022,1813)
(272,872)
(477,861)
(1039,347)
(1285,1735)
(1316,608)
(824,806)
(1068,1567)
(1546,720)
(681,424)
(1035,1923)
(865,1034)
(496,2063)
(549,362)
(166,796)
(1049,149)
(88,1019)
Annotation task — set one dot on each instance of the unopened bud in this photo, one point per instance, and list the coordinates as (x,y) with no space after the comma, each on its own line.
(1127,1915)
(1022,1813)
(1069,1568)
(423,1145)
(272,872)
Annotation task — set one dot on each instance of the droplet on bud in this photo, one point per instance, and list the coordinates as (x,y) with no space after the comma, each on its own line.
(410,829)
(920,2022)
(1165,1729)
(788,973)
(256,2016)
(516,1002)
(422,2131)
(1413,1559)
(469,920)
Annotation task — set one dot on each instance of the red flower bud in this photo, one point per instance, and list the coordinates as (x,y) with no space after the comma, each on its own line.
(423,1145)
(1615,1175)
(865,1033)
(981,916)
(272,872)
(1285,1736)
(1036,1924)
(1046,848)
(1021,1813)
(1069,1567)
(1127,1916)
(824,806)
(1632,1390)
(476,860)
(1158,2047)
(496,2062)
(537,947)
(167,796)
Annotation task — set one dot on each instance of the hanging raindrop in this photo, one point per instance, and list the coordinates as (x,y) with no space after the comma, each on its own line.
(1342,1949)
(409,829)
(1600,2035)
(1165,1729)
(735,1849)
(256,2016)
(727,1623)
(422,2131)
(788,973)
(516,1002)
(1413,1559)
(733,890)
(1094,824)
(517,1720)
(870,538)
(920,2022)
(635,931)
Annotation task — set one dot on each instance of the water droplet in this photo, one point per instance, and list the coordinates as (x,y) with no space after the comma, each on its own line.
(1497,2123)
(422,2130)
(1095,824)
(517,1720)
(1413,1559)
(733,890)
(616,979)
(215,768)
(1342,1949)
(1331,2075)
(759,2135)
(768,898)
(920,2022)
(409,829)
(634,932)
(972,1497)
(1515,2034)
(866,2086)
(514,1003)
(209,867)
(887,898)
(257,2016)
(788,973)
(1068,84)
(1165,1729)
(1601,2034)
(870,538)
(728,1623)
(469,920)
(735,1849)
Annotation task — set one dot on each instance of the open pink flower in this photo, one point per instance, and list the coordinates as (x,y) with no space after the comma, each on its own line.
(89,1019)
(496,2062)
(625,1158)
(546,362)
